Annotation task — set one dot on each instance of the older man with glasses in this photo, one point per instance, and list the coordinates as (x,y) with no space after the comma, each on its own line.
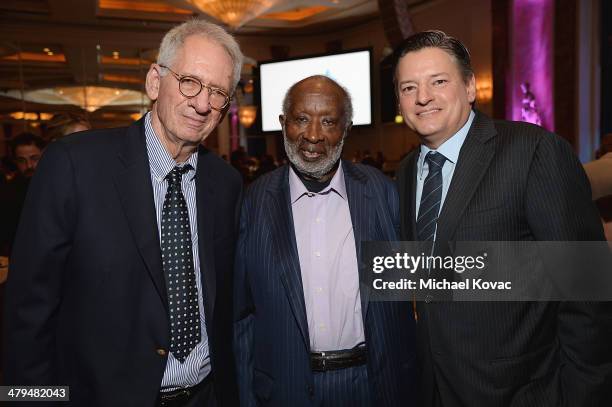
(120,284)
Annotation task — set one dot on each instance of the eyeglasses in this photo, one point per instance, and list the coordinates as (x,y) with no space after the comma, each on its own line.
(191,87)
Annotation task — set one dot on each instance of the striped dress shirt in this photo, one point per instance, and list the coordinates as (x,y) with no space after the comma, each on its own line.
(197,365)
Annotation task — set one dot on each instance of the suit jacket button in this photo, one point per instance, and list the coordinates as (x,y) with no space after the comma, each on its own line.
(310,390)
(161,352)
(428,298)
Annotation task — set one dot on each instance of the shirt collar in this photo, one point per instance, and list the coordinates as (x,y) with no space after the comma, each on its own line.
(451,147)
(298,189)
(160,161)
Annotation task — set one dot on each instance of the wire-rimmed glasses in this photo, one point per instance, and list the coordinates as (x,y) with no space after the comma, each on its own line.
(191,87)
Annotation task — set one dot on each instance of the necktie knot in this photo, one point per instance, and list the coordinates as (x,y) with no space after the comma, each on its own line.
(435,159)
(175,176)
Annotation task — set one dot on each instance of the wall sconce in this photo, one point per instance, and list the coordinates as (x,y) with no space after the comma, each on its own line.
(31,116)
(484,89)
(247,115)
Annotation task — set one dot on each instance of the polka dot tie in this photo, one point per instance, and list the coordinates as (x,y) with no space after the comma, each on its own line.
(177,259)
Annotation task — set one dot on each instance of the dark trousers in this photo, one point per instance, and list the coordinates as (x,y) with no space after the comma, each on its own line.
(344,387)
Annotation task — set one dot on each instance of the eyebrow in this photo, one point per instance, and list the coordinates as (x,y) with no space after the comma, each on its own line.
(430,76)
(211,84)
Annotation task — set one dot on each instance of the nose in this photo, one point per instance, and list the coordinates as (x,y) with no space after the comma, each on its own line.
(424,96)
(31,164)
(314,134)
(201,102)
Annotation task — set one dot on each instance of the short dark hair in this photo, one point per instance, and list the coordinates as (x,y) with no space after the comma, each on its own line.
(435,39)
(26,139)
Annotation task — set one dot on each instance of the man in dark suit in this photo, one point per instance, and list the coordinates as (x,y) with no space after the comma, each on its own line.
(306,332)
(121,276)
(477,179)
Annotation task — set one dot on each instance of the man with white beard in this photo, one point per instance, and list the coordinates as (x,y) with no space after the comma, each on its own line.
(306,333)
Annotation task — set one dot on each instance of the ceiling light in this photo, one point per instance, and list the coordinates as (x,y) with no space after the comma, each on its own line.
(234,13)
(90,98)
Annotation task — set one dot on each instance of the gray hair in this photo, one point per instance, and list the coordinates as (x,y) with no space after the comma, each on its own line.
(175,38)
(347,101)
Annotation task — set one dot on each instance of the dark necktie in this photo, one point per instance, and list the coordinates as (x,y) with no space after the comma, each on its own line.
(430,197)
(177,259)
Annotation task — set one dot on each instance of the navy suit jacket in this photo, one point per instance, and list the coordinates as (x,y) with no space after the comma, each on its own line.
(86,300)
(271,329)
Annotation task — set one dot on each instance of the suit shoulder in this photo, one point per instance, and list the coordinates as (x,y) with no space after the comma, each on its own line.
(372,174)
(520,131)
(261,184)
(93,140)
(523,133)
(219,166)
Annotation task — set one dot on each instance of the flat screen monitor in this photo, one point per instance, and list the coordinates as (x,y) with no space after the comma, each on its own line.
(350,69)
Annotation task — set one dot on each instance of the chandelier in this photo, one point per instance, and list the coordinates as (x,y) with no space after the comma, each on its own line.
(234,13)
(90,98)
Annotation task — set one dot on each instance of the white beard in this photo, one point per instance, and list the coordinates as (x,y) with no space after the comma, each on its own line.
(318,169)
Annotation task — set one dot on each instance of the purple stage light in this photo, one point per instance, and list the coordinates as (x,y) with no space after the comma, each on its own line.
(532,58)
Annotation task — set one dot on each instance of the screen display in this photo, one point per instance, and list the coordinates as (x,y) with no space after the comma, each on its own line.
(351,70)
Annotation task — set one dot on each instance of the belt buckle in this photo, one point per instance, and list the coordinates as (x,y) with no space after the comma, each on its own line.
(323,361)
(179,396)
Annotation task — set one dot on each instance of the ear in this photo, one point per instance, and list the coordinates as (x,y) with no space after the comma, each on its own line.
(348,128)
(153,82)
(281,120)
(471,89)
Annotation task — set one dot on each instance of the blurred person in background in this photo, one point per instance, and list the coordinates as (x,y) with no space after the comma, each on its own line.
(62,124)
(600,176)
(26,150)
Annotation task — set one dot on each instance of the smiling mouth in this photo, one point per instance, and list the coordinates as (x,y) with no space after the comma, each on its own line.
(428,112)
(311,155)
(196,122)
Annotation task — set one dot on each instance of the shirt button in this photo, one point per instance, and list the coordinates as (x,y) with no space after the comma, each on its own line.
(319,289)
(322,327)
(318,254)
(161,352)
(318,220)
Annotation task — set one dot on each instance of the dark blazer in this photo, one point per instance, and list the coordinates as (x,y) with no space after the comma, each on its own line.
(272,342)
(513,182)
(86,300)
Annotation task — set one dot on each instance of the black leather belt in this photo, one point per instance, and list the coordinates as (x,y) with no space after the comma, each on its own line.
(180,397)
(337,359)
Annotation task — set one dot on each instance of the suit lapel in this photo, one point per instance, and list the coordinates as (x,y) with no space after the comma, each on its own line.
(408,194)
(474,160)
(205,181)
(283,239)
(362,210)
(133,182)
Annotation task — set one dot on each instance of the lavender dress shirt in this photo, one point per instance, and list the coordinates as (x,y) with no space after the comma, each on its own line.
(328,263)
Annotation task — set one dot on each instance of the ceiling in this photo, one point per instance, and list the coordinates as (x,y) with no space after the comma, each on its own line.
(48,43)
